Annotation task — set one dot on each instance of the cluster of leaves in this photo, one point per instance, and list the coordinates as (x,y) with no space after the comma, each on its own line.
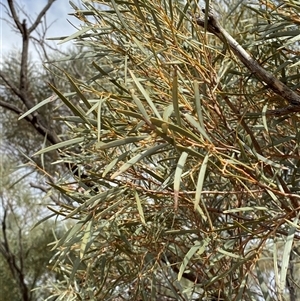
(181,180)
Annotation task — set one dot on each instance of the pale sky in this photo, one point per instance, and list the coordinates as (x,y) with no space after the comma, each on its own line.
(57,16)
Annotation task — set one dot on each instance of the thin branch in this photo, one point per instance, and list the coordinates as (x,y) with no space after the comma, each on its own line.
(10,23)
(40,16)
(13,108)
(14,89)
(291,109)
(46,190)
(22,91)
(14,15)
(272,82)
(213,26)
(40,187)
(34,120)
(24,84)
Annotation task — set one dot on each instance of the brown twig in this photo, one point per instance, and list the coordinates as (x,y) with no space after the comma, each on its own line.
(213,26)
(272,82)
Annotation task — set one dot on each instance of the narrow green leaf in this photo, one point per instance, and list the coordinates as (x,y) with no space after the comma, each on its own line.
(243,288)
(183,14)
(140,208)
(104,73)
(168,112)
(138,6)
(177,62)
(264,118)
(286,255)
(75,266)
(198,104)
(120,142)
(295,64)
(288,34)
(140,46)
(198,248)
(110,208)
(140,106)
(242,209)
(181,232)
(154,174)
(200,182)
(69,234)
(145,94)
(159,30)
(78,91)
(177,177)
(171,10)
(220,250)
(85,239)
(99,107)
(76,34)
(80,55)
(119,15)
(76,119)
(202,131)
(270,162)
(39,105)
(262,158)
(75,110)
(275,263)
(131,114)
(281,140)
(60,145)
(42,155)
(152,55)
(43,220)
(113,163)
(137,158)
(94,200)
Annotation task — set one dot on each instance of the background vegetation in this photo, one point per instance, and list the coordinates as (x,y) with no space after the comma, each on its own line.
(184,168)
(24,250)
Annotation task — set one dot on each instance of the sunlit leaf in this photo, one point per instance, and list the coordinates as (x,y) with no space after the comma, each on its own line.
(60,145)
(286,255)
(177,178)
(198,248)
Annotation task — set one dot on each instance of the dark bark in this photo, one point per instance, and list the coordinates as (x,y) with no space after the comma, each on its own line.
(22,93)
(212,25)
(277,86)
(15,264)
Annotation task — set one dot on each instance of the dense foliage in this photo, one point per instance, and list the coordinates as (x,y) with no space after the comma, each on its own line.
(183,187)
(24,249)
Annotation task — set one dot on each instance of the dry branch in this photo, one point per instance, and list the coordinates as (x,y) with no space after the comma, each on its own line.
(272,82)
